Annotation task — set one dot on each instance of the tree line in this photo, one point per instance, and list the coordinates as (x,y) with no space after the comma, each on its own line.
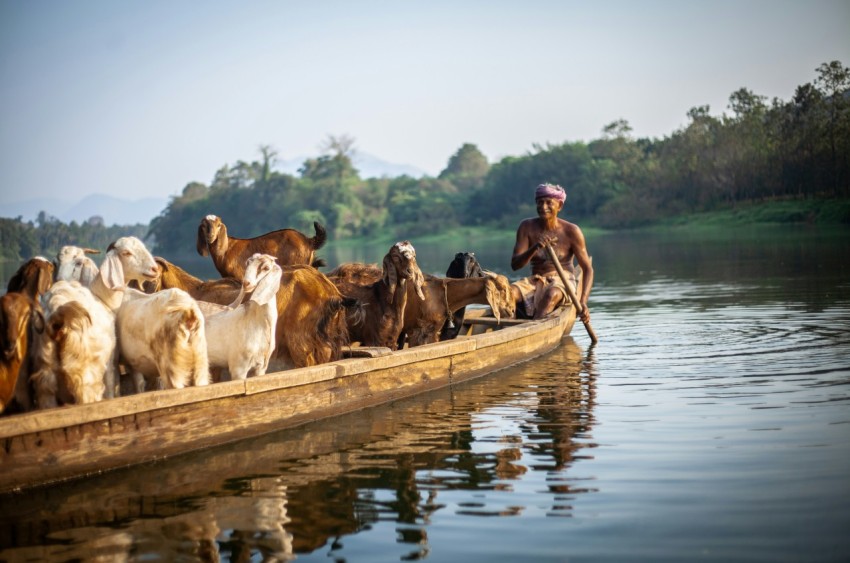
(758,150)
(21,240)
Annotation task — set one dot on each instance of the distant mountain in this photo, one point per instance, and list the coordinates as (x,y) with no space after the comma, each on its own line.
(115,211)
(368,166)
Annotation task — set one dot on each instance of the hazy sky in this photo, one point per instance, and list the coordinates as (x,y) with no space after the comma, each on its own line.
(138,98)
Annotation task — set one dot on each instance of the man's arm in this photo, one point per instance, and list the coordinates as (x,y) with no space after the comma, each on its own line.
(522,253)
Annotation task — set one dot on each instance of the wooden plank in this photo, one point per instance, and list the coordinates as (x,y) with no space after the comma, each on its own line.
(404,357)
(291,378)
(366,352)
(490,321)
(120,406)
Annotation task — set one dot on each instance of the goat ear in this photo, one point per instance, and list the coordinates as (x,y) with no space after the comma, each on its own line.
(266,293)
(390,277)
(418,282)
(112,272)
(45,279)
(91,251)
(201,241)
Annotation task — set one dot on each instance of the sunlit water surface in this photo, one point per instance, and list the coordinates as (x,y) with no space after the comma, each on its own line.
(711,422)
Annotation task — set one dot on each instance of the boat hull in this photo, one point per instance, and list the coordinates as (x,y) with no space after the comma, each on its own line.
(43,447)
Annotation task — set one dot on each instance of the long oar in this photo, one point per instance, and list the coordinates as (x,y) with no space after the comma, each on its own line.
(570,291)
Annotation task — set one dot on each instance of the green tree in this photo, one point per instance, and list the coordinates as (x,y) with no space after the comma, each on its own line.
(466,168)
(834,83)
(328,181)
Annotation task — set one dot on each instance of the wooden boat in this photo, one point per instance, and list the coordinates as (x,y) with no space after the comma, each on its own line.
(280,469)
(43,447)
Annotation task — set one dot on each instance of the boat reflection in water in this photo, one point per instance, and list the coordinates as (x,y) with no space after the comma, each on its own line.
(453,453)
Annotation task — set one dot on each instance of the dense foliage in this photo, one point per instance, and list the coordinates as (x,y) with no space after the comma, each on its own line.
(758,151)
(21,240)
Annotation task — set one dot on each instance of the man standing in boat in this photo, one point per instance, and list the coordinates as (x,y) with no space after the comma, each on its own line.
(543,291)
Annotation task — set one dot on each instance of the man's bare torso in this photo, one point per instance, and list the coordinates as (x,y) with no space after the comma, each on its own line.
(532,229)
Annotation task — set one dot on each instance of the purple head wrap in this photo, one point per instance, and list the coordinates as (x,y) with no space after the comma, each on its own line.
(551,190)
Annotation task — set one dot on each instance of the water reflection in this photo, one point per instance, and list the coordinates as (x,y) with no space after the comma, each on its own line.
(296,491)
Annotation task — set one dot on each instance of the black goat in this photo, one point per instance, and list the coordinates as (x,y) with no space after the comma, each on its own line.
(464,265)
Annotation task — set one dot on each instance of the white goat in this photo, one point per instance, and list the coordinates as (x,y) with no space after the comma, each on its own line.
(74,359)
(72,264)
(161,336)
(243,339)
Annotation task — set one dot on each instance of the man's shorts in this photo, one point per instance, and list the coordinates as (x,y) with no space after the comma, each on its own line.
(533,287)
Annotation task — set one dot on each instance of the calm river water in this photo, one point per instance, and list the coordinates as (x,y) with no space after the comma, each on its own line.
(711,422)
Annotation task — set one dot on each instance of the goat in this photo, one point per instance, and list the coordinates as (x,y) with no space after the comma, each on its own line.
(423,319)
(33,278)
(311,325)
(242,339)
(161,337)
(222,291)
(72,264)
(19,317)
(74,360)
(127,260)
(492,289)
(464,265)
(385,299)
(230,254)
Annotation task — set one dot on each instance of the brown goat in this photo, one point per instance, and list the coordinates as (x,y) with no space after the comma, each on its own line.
(311,327)
(221,291)
(424,319)
(33,278)
(230,254)
(18,317)
(383,300)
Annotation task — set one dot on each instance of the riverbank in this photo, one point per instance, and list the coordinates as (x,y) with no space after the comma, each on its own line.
(822,213)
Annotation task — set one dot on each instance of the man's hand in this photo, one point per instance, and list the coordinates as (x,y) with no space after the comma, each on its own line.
(546,239)
(585,313)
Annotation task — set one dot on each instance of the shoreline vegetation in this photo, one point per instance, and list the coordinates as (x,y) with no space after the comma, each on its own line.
(819,214)
(761,162)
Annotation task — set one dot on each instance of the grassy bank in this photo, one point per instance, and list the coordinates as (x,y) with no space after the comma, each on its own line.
(472,234)
(821,212)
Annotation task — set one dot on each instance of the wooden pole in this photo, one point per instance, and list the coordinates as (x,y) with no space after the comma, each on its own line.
(570,291)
